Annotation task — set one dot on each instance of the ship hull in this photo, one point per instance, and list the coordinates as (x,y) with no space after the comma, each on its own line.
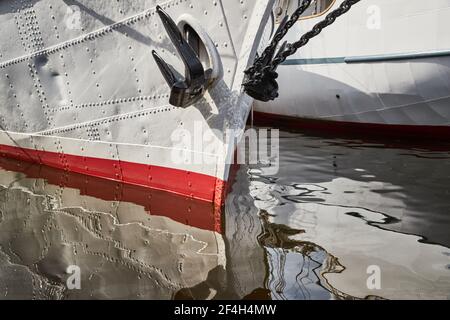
(368,73)
(81,92)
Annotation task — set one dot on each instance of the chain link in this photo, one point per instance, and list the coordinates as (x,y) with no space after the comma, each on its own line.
(257,72)
(281,32)
(316,30)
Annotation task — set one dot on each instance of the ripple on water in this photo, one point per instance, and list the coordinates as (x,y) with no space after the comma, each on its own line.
(312,230)
(365,205)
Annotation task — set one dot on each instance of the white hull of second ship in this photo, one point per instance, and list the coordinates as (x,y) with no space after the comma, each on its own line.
(79,89)
(383,67)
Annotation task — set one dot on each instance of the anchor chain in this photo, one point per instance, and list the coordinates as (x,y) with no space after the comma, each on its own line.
(261,77)
(283,29)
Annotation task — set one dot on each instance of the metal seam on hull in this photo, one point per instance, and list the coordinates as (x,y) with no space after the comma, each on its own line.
(63,66)
(126,100)
(389,108)
(108,102)
(88,36)
(119,117)
(31,136)
(138,113)
(231,41)
(366,59)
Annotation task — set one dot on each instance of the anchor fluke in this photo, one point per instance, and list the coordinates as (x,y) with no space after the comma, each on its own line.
(166,69)
(188,90)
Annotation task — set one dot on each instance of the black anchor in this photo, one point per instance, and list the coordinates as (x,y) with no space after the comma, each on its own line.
(183,91)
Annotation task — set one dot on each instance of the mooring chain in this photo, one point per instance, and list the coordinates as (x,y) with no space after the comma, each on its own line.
(261,77)
(279,35)
(316,30)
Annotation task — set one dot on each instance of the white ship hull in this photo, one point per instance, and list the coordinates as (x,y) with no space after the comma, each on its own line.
(80,91)
(382,67)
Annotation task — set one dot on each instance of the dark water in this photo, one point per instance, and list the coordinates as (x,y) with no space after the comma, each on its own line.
(336,209)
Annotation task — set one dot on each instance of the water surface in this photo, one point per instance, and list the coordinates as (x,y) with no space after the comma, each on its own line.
(311,231)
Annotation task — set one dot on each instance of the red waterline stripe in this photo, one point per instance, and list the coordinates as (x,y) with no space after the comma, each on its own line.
(359,130)
(186,183)
(188,211)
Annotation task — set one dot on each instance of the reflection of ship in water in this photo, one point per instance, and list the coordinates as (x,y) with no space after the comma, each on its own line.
(406,182)
(265,260)
(310,232)
(297,268)
(51,219)
(140,243)
(367,205)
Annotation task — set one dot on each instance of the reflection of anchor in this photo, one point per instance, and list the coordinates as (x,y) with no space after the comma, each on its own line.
(184,92)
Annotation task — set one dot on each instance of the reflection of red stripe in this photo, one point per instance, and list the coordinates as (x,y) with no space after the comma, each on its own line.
(359,130)
(191,184)
(188,211)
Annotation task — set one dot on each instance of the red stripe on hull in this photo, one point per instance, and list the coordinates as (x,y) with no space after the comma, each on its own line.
(191,184)
(359,130)
(188,211)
